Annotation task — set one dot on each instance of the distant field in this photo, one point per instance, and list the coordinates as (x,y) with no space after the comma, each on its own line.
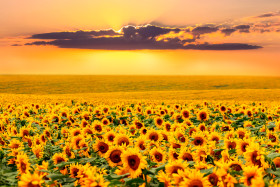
(73,84)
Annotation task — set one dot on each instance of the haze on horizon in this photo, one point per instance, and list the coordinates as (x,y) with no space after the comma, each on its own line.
(160,37)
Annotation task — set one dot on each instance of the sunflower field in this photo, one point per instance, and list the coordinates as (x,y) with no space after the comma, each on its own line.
(193,144)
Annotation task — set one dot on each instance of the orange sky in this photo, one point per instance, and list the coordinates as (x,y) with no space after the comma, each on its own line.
(22,19)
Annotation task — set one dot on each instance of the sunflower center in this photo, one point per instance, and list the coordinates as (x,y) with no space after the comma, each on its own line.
(176,168)
(142,147)
(75,171)
(153,136)
(203,115)
(213,179)
(123,141)
(249,180)
(231,145)
(103,147)
(111,137)
(133,162)
(236,167)
(30,184)
(115,156)
(196,183)
(254,159)
(158,157)
(198,141)
(187,157)
(59,160)
(272,138)
(244,145)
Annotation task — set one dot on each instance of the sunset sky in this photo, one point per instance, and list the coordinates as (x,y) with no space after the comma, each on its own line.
(154,37)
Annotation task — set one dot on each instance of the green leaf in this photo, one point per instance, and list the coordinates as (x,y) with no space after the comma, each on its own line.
(273,155)
(56,176)
(129,181)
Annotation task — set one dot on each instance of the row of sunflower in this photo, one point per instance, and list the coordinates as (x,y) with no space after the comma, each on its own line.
(141,144)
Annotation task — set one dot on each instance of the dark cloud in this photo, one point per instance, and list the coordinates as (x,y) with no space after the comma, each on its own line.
(146,32)
(204,30)
(16,45)
(223,46)
(267,15)
(140,37)
(121,43)
(74,35)
(228,32)
(242,27)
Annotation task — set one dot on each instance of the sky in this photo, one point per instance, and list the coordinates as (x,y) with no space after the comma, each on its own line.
(159,37)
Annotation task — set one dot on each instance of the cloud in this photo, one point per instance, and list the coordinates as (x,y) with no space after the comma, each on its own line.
(228,32)
(142,37)
(74,35)
(268,15)
(121,43)
(204,30)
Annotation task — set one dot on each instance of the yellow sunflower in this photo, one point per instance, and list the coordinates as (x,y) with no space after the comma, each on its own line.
(134,162)
(31,180)
(113,156)
(195,179)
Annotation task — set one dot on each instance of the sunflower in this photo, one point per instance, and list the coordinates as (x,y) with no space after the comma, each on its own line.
(16,144)
(180,136)
(74,170)
(87,131)
(22,163)
(223,109)
(75,141)
(277,162)
(235,165)
(213,178)
(203,115)
(215,136)
(93,178)
(251,174)
(105,121)
(138,124)
(186,154)
(230,144)
(242,146)
(254,155)
(159,122)
(110,136)
(158,155)
(122,139)
(59,157)
(134,162)
(31,180)
(167,126)
(198,139)
(153,135)
(38,150)
(173,154)
(202,127)
(141,143)
(24,131)
(75,132)
(67,150)
(113,156)
(174,166)
(195,179)
(97,127)
(101,147)
(185,114)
